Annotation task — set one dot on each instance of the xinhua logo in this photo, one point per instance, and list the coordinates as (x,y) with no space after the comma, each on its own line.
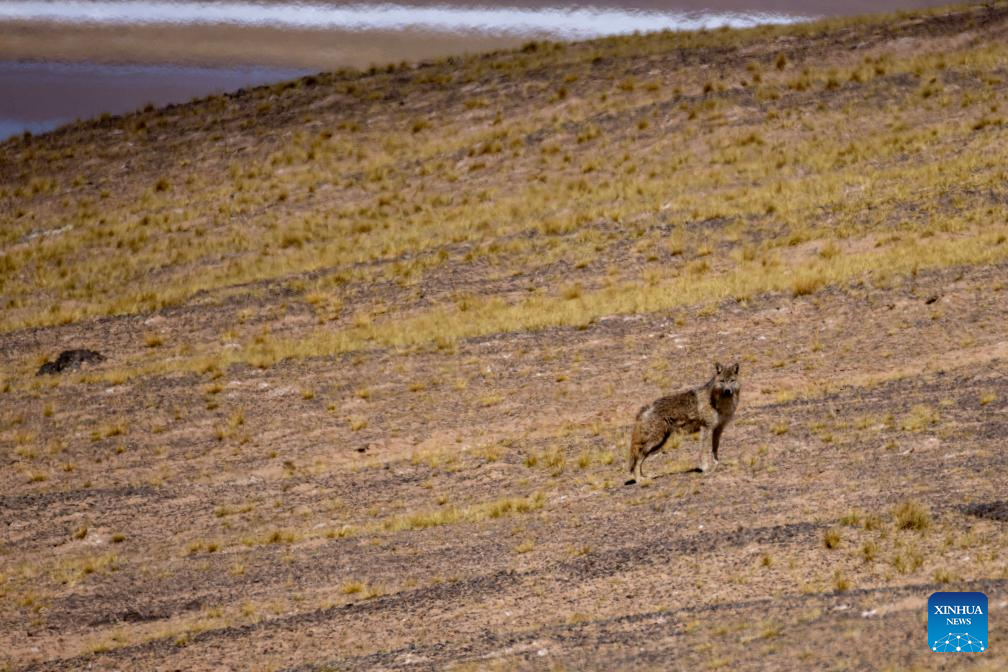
(957,622)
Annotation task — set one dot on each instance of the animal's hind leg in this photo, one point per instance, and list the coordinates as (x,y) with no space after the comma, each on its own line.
(636,458)
(638,473)
(640,449)
(653,447)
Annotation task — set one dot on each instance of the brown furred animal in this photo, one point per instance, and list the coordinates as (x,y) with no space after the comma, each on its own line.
(707,408)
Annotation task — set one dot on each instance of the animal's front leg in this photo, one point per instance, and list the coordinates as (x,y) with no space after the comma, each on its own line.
(704,451)
(715,442)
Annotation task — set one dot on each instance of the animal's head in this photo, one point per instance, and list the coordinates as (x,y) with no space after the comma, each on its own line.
(726,381)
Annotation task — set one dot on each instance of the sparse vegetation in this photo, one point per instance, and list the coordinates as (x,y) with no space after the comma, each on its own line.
(362,590)
(851,519)
(906,561)
(919,418)
(911,515)
(525,546)
(474,513)
(384,332)
(869,551)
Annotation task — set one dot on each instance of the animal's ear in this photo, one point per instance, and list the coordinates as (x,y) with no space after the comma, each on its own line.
(735,369)
(718,368)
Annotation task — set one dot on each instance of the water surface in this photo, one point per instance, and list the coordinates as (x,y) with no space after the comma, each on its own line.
(572,21)
(42,96)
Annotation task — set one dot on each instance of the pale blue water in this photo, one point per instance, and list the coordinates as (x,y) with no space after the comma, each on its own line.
(12,127)
(39,97)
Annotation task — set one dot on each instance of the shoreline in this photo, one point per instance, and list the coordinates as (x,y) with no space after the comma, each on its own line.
(50,94)
(53,74)
(35,96)
(206,45)
(360,36)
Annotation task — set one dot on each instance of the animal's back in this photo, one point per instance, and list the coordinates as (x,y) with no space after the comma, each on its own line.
(681,411)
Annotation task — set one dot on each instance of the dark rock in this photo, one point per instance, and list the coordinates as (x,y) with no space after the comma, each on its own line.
(70,359)
(991,510)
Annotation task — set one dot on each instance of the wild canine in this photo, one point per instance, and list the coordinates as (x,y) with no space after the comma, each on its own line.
(707,408)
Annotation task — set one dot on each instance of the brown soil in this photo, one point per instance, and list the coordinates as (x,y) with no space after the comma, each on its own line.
(697,569)
(462,507)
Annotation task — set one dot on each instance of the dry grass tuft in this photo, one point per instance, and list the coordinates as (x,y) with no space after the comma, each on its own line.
(911,515)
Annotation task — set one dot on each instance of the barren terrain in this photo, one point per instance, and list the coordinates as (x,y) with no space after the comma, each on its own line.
(374,341)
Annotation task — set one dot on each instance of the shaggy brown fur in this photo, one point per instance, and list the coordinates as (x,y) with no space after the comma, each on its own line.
(708,408)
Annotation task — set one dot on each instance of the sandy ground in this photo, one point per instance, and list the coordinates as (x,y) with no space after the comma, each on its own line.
(461,506)
(728,569)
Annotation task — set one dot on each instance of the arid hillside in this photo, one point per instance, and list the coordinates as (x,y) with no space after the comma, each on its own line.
(374,342)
